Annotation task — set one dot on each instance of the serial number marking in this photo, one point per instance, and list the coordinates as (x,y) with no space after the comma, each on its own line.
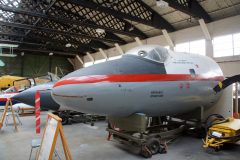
(156,93)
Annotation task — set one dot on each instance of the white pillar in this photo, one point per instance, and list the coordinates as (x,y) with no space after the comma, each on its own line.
(204,29)
(90,57)
(119,48)
(139,42)
(168,39)
(79,59)
(103,54)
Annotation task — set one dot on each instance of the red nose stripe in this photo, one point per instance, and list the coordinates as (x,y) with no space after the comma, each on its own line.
(133,78)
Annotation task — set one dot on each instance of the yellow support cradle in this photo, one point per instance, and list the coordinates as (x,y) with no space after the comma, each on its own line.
(221,132)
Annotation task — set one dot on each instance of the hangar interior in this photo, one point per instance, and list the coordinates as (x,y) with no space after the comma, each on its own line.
(47,37)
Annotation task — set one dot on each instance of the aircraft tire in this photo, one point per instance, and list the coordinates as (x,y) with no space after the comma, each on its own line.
(153,145)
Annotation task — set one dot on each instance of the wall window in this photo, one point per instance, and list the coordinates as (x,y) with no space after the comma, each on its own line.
(236,44)
(167,47)
(227,45)
(223,46)
(182,47)
(197,47)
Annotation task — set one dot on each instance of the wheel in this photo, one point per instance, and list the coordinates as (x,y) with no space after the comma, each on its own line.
(64,120)
(153,145)
(145,152)
(162,149)
(65,117)
(211,150)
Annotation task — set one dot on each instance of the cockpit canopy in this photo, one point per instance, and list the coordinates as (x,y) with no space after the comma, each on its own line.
(152,52)
(11,90)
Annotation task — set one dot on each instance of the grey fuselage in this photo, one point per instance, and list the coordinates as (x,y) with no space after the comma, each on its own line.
(174,84)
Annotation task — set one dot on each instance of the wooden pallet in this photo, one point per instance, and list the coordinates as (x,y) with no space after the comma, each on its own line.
(26,112)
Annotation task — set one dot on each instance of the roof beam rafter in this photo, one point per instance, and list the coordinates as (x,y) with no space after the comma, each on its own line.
(190,7)
(157,21)
(46,51)
(42,46)
(40,50)
(49,30)
(45,12)
(47,39)
(82,19)
(135,32)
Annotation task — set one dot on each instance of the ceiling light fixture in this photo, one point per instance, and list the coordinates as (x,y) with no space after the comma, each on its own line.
(68,45)
(131,28)
(99,30)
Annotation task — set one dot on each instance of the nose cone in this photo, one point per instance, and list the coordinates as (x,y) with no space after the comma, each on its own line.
(25,97)
(46,101)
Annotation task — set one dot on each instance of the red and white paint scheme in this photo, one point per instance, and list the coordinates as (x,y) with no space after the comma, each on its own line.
(9,93)
(148,79)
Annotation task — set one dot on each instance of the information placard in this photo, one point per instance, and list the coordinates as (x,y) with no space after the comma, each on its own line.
(49,139)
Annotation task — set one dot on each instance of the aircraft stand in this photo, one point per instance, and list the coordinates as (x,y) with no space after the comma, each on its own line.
(149,134)
(69,117)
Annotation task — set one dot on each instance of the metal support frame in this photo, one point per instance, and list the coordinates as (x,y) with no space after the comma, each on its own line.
(119,48)
(70,61)
(168,39)
(85,23)
(37,21)
(157,21)
(41,46)
(45,51)
(139,42)
(50,64)
(79,59)
(19,42)
(236,99)
(205,29)
(103,54)
(62,21)
(190,7)
(22,64)
(90,57)
(49,30)
(82,47)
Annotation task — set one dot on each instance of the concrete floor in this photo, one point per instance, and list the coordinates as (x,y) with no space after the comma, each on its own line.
(89,143)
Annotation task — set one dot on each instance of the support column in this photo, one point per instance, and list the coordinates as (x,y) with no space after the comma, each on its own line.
(168,39)
(208,38)
(22,64)
(50,64)
(90,57)
(236,112)
(209,48)
(119,48)
(139,42)
(72,63)
(103,54)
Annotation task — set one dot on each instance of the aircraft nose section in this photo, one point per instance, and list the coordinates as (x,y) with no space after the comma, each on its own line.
(46,101)
(24,97)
